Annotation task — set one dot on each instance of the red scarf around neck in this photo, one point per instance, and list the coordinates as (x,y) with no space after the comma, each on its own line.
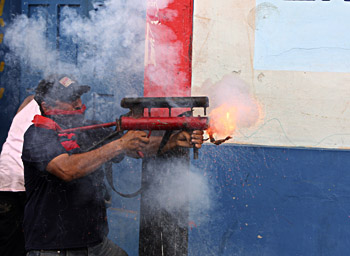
(66,112)
(68,140)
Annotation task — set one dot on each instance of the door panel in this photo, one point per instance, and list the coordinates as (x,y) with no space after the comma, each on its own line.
(67,51)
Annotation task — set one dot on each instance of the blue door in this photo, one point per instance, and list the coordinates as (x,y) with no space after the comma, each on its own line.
(50,11)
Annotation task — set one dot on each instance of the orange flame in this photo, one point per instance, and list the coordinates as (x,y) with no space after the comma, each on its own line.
(222,120)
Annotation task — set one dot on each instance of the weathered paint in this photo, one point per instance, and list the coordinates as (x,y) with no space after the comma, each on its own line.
(2,66)
(168,49)
(2,4)
(301,108)
(321,46)
(2,90)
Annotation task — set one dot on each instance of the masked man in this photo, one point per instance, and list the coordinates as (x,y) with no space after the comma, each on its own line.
(65,210)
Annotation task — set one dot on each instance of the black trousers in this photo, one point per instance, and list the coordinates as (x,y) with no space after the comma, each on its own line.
(106,248)
(11,219)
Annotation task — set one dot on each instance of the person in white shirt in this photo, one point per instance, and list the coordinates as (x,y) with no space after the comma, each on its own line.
(12,191)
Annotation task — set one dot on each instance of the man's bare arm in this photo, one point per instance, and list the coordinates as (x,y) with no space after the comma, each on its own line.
(70,167)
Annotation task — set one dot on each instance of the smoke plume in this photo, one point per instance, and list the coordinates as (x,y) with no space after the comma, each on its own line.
(175,189)
(106,43)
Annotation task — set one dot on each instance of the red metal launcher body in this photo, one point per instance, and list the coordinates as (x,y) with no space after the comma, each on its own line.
(126,123)
(163,123)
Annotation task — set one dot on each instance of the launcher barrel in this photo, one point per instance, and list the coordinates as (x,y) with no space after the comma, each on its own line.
(164,123)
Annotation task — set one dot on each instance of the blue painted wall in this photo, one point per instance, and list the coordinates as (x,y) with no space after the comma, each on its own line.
(275,201)
(264,201)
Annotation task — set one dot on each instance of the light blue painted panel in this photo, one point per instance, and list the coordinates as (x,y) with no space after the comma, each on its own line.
(302,35)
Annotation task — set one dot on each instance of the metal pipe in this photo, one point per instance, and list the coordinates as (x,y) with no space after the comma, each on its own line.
(89,127)
(164,123)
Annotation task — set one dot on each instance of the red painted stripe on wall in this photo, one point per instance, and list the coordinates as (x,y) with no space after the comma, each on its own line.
(168,48)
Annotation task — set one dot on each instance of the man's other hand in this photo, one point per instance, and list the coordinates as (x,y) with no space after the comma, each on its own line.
(186,139)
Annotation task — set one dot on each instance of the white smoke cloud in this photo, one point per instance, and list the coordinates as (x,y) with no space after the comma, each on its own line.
(109,41)
(174,187)
(166,72)
(111,37)
(26,39)
(110,44)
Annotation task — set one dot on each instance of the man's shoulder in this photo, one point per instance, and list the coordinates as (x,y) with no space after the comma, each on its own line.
(38,133)
(41,144)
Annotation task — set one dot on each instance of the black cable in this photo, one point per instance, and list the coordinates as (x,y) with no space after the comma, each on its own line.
(109,177)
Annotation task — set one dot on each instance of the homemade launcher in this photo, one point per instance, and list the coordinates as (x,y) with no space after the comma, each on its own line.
(140,117)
